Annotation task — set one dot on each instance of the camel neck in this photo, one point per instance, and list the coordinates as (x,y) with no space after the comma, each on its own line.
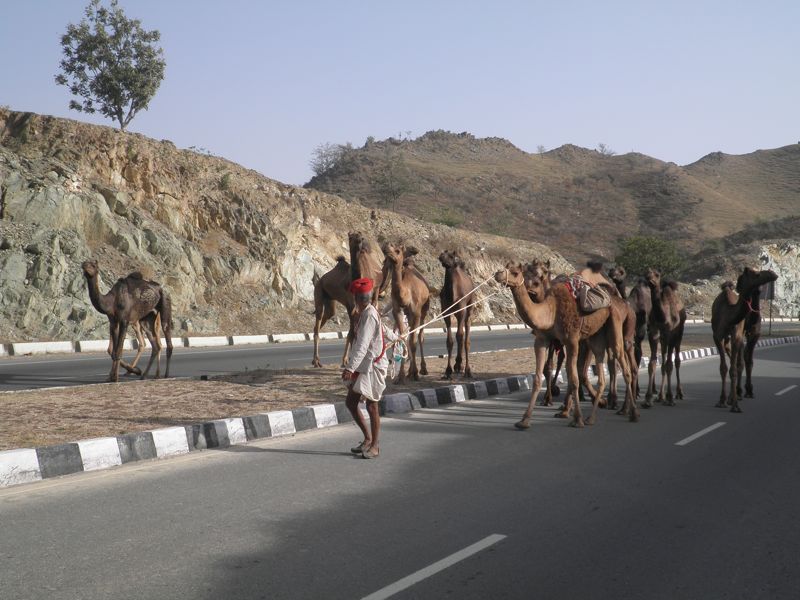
(103,303)
(537,315)
(658,308)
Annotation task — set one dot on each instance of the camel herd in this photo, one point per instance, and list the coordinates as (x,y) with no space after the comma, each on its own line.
(616,333)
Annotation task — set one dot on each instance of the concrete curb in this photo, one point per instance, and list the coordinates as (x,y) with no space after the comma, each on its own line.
(26,465)
(29,348)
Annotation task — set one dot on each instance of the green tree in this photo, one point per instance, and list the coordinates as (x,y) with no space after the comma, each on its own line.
(111,63)
(328,156)
(638,253)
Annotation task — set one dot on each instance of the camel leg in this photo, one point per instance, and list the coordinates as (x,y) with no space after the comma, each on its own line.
(539,349)
(467,369)
(598,349)
(651,371)
(612,383)
(667,365)
(548,374)
(459,343)
(448,372)
(735,375)
(322,312)
(571,347)
(423,368)
(748,365)
(559,363)
(119,342)
(398,318)
(155,345)
(140,345)
(723,371)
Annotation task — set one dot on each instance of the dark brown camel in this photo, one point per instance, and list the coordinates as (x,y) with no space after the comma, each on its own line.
(752,333)
(640,305)
(728,314)
(458,285)
(667,317)
(556,316)
(334,285)
(132,299)
(410,296)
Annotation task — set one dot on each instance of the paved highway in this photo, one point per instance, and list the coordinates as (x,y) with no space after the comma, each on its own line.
(691,502)
(26,372)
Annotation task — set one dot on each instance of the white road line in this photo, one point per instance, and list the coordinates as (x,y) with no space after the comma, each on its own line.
(407,582)
(692,438)
(784,390)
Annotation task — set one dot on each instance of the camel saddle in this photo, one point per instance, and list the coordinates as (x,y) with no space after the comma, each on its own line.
(589,298)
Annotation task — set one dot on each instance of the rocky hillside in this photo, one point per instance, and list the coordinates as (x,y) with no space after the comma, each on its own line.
(576,200)
(238,252)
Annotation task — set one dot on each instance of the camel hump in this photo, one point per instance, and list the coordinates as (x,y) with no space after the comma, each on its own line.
(136,275)
(671,284)
(341,259)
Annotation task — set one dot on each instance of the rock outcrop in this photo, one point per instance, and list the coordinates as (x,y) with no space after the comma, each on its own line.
(238,252)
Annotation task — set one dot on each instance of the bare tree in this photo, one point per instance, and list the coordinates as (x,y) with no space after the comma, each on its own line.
(541,149)
(605,150)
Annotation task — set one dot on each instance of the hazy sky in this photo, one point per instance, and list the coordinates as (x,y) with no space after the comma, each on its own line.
(263,83)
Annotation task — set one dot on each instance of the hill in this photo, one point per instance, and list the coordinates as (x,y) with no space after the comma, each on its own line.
(576,200)
(237,251)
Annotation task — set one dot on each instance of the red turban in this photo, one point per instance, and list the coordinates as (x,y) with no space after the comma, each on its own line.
(361,286)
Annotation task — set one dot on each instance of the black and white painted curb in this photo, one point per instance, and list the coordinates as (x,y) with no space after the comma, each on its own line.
(33,464)
(26,465)
(61,347)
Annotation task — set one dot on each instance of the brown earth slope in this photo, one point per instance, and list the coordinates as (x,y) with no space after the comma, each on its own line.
(577,200)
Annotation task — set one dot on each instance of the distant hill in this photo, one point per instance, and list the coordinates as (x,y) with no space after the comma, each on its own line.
(580,202)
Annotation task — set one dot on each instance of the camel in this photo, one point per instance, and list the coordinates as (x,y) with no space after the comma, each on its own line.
(752,333)
(729,313)
(457,284)
(537,283)
(410,295)
(639,308)
(132,300)
(538,270)
(556,316)
(667,318)
(334,285)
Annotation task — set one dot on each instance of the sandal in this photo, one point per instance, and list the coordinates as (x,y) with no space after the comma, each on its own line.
(360,448)
(370,453)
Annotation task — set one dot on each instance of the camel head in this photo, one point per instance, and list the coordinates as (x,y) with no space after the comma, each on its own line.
(617,274)
(399,254)
(355,240)
(511,276)
(653,278)
(536,275)
(90,269)
(751,279)
(448,259)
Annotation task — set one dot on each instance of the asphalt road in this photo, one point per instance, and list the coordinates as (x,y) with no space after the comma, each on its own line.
(459,505)
(28,372)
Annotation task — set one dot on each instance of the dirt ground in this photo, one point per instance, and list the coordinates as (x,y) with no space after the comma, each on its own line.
(43,417)
(52,416)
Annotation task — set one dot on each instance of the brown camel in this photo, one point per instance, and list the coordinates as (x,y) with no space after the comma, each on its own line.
(334,286)
(728,316)
(458,285)
(667,317)
(556,316)
(131,300)
(410,295)
(539,271)
(537,284)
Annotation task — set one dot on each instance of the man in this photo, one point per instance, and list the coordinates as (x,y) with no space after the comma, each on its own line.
(366,367)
